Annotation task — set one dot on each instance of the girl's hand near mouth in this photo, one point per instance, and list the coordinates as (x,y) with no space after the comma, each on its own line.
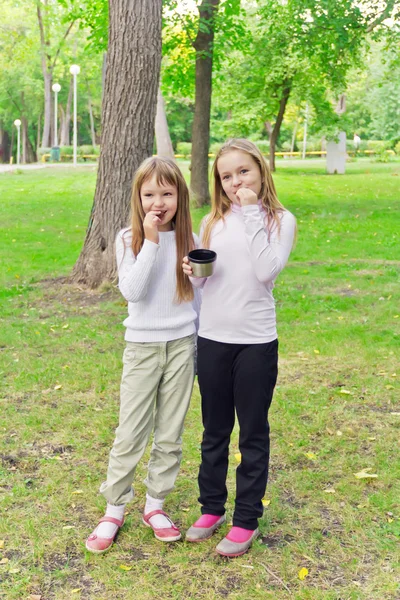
(246,196)
(150,225)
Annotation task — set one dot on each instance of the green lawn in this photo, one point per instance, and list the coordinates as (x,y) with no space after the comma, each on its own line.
(335,412)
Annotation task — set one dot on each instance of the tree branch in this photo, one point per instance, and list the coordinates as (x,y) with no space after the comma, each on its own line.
(384,15)
(61,43)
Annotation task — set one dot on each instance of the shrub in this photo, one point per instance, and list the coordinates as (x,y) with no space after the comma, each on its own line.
(184,148)
(262,145)
(67,150)
(85,150)
(42,151)
(397,148)
(214,148)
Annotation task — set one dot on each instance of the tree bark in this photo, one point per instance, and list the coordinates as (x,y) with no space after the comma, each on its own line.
(274,133)
(128,113)
(203,45)
(163,139)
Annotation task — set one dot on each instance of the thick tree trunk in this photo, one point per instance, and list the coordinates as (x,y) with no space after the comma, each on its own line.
(163,139)
(66,117)
(201,120)
(274,134)
(128,113)
(92,131)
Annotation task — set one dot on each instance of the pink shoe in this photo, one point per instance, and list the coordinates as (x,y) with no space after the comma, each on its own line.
(99,545)
(164,534)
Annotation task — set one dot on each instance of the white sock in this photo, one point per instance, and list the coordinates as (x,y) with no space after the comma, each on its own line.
(107,530)
(158,521)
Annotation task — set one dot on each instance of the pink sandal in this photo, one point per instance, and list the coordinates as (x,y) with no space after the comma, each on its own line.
(99,545)
(164,534)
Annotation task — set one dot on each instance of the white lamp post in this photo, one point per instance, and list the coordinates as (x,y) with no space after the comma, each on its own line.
(56,88)
(75,70)
(17,124)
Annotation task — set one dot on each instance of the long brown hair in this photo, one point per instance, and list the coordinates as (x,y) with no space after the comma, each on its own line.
(221,204)
(167,172)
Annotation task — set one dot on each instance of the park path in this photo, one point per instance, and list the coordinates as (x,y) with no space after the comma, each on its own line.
(11,168)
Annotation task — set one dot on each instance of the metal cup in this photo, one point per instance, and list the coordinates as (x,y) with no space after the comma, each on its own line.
(202,262)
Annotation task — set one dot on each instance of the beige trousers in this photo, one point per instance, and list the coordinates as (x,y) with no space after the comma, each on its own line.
(156,387)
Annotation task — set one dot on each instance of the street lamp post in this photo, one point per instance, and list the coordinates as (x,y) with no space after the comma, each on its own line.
(17,124)
(75,70)
(56,88)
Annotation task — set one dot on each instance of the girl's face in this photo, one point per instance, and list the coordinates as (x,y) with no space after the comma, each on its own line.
(238,169)
(160,198)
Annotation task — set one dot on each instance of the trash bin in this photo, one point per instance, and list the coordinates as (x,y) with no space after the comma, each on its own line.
(55,154)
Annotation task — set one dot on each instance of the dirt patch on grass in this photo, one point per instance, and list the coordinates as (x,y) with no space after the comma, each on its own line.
(62,291)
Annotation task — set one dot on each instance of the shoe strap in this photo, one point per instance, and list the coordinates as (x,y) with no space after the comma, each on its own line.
(153,513)
(108,519)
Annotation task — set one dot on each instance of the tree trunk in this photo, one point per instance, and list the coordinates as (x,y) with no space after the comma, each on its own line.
(128,113)
(163,139)
(4,145)
(201,121)
(92,131)
(274,135)
(66,117)
(46,137)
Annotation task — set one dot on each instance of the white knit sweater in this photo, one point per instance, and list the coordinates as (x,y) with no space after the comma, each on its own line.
(148,283)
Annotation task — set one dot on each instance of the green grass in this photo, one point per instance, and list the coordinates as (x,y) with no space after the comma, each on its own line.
(335,410)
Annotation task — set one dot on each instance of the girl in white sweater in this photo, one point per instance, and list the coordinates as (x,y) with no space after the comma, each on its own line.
(158,371)
(252,234)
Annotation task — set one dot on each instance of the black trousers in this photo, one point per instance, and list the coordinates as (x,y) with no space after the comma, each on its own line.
(241,378)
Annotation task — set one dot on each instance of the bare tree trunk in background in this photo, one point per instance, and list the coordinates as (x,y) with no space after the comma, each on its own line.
(163,139)
(92,131)
(38,135)
(203,45)
(274,132)
(48,64)
(128,113)
(4,145)
(66,117)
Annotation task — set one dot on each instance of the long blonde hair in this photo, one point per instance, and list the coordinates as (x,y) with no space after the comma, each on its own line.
(221,204)
(167,172)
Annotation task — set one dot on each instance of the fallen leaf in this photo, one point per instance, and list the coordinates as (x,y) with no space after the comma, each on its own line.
(1,544)
(339,433)
(395,413)
(78,492)
(34,597)
(14,571)
(330,431)
(316,351)
(372,439)
(185,509)
(394,375)
(65,326)
(238,457)
(76,590)
(125,567)
(347,392)
(303,573)
(69,527)
(330,490)
(3,561)
(310,455)
(266,502)
(389,387)
(57,387)
(364,474)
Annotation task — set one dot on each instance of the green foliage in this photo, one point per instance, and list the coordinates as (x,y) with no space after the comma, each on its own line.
(184,148)
(397,148)
(67,150)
